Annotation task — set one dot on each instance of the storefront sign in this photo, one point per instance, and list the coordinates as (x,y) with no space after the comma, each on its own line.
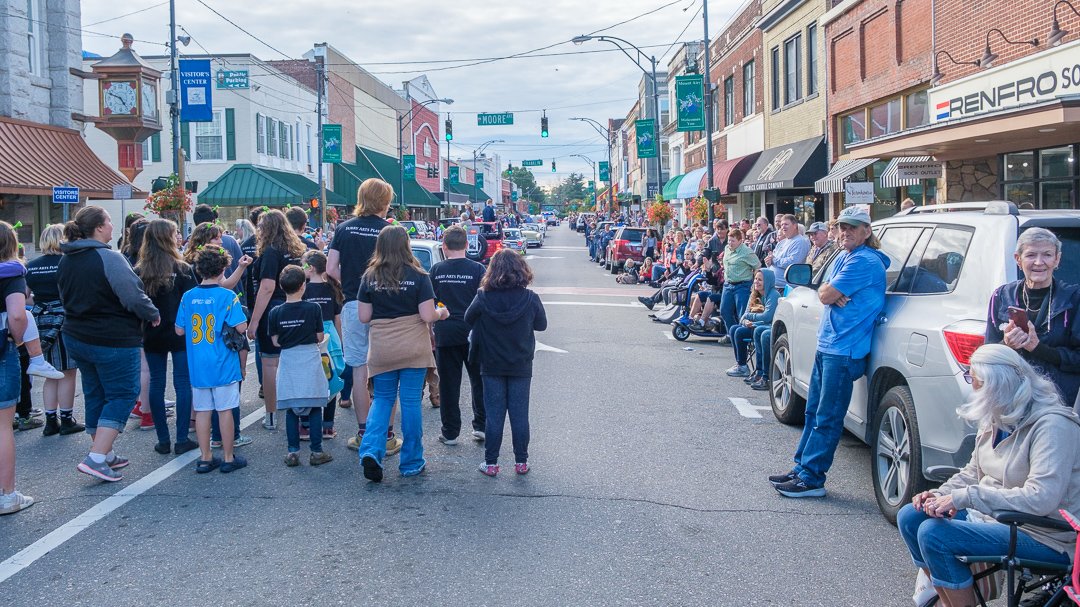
(121,192)
(859,192)
(409,162)
(690,96)
(918,170)
(1040,77)
(237,79)
(65,195)
(331,137)
(605,174)
(645,133)
(196,96)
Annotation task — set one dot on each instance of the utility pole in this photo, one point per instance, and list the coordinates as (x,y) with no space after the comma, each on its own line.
(401,159)
(174,97)
(708,109)
(659,148)
(320,55)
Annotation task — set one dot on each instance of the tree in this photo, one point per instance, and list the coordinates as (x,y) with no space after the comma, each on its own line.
(571,188)
(526,182)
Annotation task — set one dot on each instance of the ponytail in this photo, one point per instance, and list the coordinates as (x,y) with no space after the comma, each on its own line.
(72,232)
(86,220)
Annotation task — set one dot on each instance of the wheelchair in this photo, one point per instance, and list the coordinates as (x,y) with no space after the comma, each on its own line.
(1047,584)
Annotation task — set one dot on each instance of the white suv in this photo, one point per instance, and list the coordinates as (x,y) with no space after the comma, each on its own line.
(946,261)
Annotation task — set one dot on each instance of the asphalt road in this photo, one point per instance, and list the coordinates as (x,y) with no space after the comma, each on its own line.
(648,488)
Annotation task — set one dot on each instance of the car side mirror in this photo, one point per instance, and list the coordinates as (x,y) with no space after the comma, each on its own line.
(799,274)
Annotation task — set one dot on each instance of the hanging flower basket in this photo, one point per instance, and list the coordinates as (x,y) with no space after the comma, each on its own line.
(659,213)
(697,209)
(172,202)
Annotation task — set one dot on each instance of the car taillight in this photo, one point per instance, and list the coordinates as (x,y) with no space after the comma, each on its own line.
(620,245)
(963,338)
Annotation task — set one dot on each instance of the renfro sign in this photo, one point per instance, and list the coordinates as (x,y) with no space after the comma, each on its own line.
(1040,77)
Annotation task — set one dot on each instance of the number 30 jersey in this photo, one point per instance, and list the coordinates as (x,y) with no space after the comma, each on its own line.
(204,312)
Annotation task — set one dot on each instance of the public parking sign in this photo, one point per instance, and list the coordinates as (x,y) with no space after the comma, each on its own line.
(65,195)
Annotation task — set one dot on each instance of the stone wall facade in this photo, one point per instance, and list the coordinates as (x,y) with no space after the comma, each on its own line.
(49,94)
(972,180)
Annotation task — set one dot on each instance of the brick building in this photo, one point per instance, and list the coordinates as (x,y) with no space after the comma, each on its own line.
(1003,120)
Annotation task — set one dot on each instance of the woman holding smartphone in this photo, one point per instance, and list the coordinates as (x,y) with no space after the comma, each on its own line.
(1037,315)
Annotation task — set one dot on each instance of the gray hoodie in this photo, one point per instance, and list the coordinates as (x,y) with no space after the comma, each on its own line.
(1035,470)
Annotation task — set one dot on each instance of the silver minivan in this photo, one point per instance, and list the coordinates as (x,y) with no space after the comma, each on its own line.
(946,261)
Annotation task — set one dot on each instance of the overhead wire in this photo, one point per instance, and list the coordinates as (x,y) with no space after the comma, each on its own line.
(136,12)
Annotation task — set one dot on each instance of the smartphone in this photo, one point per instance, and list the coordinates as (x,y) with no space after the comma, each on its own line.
(1019,318)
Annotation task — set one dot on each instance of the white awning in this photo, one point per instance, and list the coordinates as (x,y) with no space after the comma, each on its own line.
(890,176)
(834,181)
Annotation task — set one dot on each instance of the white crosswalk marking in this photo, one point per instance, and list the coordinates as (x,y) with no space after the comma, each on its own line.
(745,409)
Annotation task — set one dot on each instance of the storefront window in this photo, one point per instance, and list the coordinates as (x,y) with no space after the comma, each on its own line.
(918,110)
(1020,193)
(1019,166)
(854,126)
(885,118)
(1056,195)
(1056,163)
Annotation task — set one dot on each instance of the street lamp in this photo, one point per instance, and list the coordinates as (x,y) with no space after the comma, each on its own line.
(595,179)
(641,56)
(606,133)
(400,142)
(476,152)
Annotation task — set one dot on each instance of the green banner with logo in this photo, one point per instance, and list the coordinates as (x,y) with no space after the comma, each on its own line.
(453,174)
(331,148)
(409,162)
(605,171)
(480,180)
(690,98)
(645,134)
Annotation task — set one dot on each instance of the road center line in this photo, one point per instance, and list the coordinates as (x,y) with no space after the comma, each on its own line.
(26,557)
(745,409)
(593,303)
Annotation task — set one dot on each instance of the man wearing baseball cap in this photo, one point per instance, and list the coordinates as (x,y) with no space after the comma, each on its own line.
(820,245)
(854,296)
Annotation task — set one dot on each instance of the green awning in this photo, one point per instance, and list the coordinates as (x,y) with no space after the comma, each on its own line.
(369,164)
(671,188)
(246,185)
(475,193)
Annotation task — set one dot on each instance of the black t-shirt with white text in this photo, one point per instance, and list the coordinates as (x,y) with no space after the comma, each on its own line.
(414,288)
(250,279)
(321,293)
(271,263)
(296,323)
(354,240)
(41,278)
(455,282)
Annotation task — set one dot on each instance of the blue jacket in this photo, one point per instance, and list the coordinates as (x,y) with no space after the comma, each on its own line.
(1058,354)
(772,297)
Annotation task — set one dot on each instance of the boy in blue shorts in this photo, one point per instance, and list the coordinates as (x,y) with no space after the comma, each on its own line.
(203,316)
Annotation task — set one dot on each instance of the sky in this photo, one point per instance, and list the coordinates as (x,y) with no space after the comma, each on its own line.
(427,37)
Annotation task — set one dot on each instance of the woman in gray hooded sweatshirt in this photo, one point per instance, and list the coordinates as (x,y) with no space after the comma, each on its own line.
(1026,458)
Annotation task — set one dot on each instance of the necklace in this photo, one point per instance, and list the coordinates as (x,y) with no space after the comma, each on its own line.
(1049,304)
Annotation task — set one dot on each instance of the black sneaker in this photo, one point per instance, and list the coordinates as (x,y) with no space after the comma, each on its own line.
(183,447)
(778,479)
(647,302)
(760,385)
(52,426)
(68,425)
(372,469)
(797,487)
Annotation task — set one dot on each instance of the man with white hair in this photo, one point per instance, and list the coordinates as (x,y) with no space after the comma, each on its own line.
(854,297)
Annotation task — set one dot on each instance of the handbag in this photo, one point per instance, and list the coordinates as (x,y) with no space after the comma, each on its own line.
(234,339)
(988,585)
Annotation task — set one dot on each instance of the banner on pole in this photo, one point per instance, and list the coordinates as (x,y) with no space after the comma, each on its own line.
(690,96)
(196,100)
(453,174)
(605,171)
(331,143)
(645,134)
(409,162)
(480,180)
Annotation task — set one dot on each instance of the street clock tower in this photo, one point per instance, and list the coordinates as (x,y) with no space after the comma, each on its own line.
(128,104)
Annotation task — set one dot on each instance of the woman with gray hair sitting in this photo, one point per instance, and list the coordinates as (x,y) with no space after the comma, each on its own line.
(1050,341)
(1026,459)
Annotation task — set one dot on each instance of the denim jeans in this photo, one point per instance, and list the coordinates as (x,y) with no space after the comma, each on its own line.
(158,364)
(740,337)
(733,302)
(762,346)
(407,386)
(935,543)
(657,271)
(346,390)
(110,381)
(10,384)
(292,429)
(827,401)
(504,394)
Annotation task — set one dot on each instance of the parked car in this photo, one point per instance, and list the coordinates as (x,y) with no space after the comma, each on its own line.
(946,260)
(427,252)
(489,240)
(514,239)
(584,219)
(534,236)
(417,229)
(627,244)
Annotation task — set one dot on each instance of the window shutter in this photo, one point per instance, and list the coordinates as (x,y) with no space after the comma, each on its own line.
(230,134)
(155,147)
(260,144)
(185,136)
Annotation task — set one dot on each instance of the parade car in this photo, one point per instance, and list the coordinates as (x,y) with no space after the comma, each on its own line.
(534,236)
(417,229)
(627,244)
(945,261)
(487,240)
(514,239)
(427,252)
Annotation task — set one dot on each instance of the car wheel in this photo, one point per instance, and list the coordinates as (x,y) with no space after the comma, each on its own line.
(613,267)
(787,406)
(897,452)
(680,332)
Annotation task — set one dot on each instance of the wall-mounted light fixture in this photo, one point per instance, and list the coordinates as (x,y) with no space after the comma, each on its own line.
(989,56)
(1057,34)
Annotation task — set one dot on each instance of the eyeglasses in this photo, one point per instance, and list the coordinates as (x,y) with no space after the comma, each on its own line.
(967,376)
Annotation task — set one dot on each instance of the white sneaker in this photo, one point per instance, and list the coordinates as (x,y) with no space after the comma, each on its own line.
(925,595)
(478,435)
(10,504)
(44,369)
(738,371)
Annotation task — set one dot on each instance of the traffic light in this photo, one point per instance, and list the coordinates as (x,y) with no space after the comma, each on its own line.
(552,166)
(543,126)
(449,130)
(314,203)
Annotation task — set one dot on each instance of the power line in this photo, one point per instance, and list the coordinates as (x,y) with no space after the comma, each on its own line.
(141,10)
(75,29)
(635,18)
(438,61)
(234,24)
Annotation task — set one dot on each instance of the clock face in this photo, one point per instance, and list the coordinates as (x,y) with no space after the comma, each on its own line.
(118,97)
(149,100)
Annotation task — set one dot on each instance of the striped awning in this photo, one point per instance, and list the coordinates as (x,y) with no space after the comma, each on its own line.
(684,186)
(890,176)
(834,181)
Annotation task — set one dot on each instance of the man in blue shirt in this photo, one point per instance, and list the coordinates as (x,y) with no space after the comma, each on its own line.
(791,248)
(854,297)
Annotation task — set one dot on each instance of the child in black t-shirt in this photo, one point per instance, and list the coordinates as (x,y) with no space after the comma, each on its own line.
(322,289)
(296,327)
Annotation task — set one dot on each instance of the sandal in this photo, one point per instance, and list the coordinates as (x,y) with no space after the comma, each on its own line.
(202,466)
